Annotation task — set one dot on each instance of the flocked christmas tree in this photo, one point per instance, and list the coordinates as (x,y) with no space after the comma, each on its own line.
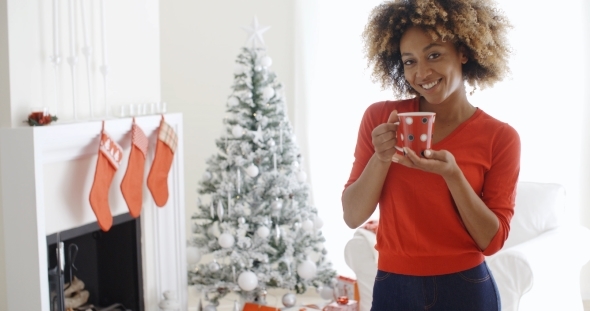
(253,213)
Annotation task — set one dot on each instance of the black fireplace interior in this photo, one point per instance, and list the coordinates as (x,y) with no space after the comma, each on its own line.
(109,264)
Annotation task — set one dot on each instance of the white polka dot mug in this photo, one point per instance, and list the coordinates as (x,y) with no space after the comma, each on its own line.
(415,131)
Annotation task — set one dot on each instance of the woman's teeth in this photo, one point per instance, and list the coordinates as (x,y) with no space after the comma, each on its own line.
(430,85)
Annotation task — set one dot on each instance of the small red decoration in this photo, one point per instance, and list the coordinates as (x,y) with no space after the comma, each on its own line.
(38,118)
(342,300)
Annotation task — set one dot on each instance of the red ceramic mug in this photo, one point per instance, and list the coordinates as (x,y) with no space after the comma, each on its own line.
(415,131)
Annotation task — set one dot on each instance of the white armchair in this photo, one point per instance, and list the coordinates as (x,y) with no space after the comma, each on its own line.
(538,268)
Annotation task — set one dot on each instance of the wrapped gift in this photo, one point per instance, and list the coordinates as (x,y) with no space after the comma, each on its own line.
(347,287)
(248,306)
(349,305)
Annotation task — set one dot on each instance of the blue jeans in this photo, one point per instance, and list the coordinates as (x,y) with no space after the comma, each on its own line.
(470,290)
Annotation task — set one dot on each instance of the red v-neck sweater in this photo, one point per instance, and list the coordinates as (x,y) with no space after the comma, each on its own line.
(420,231)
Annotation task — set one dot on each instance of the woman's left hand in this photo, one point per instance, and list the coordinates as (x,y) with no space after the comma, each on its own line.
(439,162)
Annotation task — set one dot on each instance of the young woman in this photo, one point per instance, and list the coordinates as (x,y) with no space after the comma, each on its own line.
(443,211)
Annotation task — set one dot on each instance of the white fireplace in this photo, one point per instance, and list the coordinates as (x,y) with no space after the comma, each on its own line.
(47,173)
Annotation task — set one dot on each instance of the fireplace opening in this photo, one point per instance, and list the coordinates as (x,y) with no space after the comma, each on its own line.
(101,270)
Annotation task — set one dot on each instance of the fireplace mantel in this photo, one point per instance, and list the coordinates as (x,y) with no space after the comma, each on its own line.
(29,157)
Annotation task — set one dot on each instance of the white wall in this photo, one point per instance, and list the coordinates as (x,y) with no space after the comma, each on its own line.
(585,141)
(26,37)
(200,41)
(4,121)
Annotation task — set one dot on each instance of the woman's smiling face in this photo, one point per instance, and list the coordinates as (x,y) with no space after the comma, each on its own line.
(432,67)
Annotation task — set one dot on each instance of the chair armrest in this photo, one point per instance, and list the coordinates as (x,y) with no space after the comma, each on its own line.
(360,255)
(545,268)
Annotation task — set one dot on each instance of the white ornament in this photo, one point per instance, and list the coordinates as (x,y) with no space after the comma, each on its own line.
(257,135)
(220,210)
(252,170)
(263,232)
(271,142)
(307,225)
(289,300)
(266,61)
(193,256)
(226,240)
(206,176)
(237,131)
(301,176)
(306,269)
(257,68)
(268,92)
(241,220)
(318,223)
(233,101)
(276,205)
(326,292)
(247,280)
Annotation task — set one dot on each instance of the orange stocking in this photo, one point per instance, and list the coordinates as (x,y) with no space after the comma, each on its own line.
(131,186)
(109,157)
(158,177)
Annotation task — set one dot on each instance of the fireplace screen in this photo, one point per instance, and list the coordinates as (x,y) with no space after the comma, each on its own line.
(94,270)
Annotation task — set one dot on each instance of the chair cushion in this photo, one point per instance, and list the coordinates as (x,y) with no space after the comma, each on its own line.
(539,208)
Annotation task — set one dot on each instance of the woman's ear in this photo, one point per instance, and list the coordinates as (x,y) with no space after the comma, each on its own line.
(463,55)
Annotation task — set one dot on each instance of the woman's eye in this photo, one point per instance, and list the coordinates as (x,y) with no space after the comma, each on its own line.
(408,62)
(434,56)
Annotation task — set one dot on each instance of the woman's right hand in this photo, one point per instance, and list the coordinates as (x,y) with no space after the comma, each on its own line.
(384,138)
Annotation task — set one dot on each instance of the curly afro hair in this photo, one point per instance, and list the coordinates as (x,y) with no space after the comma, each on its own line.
(475,26)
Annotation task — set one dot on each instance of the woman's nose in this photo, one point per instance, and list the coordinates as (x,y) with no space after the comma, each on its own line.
(423,70)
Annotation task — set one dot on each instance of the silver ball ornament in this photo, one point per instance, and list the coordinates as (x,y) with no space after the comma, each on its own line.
(257,68)
(233,101)
(252,170)
(266,61)
(307,269)
(207,176)
(307,225)
(193,256)
(318,223)
(214,266)
(289,300)
(263,232)
(247,280)
(301,176)
(241,220)
(276,205)
(226,240)
(268,92)
(326,292)
(237,131)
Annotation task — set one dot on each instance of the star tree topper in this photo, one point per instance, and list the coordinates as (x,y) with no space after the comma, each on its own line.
(255,32)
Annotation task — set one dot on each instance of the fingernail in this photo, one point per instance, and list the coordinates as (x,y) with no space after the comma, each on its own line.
(427,153)
(395,159)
